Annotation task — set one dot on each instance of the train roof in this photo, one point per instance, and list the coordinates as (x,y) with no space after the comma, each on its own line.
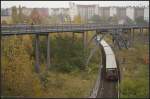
(110,57)
(103,43)
(110,61)
(108,50)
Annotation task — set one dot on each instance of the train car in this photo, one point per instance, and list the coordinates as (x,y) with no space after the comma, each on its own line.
(109,62)
(111,68)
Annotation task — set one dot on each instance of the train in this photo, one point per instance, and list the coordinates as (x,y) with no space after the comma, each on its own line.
(109,63)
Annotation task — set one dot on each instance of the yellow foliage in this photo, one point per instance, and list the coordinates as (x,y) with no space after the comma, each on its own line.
(77,20)
(17,75)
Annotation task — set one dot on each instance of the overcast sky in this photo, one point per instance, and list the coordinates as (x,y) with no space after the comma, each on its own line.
(57,4)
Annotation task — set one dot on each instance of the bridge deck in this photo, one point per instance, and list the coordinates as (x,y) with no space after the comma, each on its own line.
(44,29)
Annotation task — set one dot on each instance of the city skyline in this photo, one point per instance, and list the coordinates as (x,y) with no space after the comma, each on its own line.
(65,4)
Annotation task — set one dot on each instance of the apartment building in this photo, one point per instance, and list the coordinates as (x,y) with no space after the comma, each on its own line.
(59,11)
(104,12)
(146,13)
(6,12)
(130,12)
(113,11)
(84,11)
(121,12)
(139,12)
(26,11)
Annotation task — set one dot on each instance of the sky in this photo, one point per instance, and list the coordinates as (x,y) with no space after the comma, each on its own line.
(65,4)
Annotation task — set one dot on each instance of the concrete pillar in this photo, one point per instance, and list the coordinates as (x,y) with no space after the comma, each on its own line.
(141,34)
(84,47)
(37,63)
(133,36)
(143,39)
(84,40)
(48,51)
(130,37)
(86,37)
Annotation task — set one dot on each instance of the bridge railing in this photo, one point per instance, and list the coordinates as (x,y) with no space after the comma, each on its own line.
(62,27)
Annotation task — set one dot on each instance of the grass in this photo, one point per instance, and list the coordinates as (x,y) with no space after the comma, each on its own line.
(135,73)
(76,84)
(53,83)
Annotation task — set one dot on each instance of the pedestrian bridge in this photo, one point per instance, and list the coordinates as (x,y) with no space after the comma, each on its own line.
(45,29)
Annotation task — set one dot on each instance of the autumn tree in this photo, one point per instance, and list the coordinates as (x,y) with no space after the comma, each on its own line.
(129,21)
(140,20)
(96,19)
(113,19)
(36,18)
(14,15)
(18,78)
(3,22)
(77,20)
(20,15)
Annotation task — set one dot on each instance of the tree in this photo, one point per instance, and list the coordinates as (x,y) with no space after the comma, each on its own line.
(77,20)
(14,15)
(4,22)
(96,19)
(36,18)
(140,20)
(113,19)
(20,15)
(129,21)
(18,78)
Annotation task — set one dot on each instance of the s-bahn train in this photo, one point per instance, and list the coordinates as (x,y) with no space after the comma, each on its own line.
(109,63)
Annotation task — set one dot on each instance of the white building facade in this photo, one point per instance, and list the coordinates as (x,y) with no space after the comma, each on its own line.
(146,14)
(59,11)
(130,13)
(113,11)
(72,10)
(84,11)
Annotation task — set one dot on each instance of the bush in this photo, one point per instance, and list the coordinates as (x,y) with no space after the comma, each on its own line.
(65,54)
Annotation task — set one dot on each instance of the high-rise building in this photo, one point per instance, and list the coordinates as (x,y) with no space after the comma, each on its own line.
(130,13)
(84,11)
(72,10)
(139,12)
(27,11)
(59,11)
(121,12)
(6,12)
(105,11)
(113,11)
(146,13)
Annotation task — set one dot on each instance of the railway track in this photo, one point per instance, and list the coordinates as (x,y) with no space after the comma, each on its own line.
(106,88)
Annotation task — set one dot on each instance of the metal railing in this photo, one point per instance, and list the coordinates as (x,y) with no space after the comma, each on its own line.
(27,29)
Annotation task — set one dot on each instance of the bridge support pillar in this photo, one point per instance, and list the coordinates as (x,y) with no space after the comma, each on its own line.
(84,47)
(130,37)
(37,63)
(86,37)
(141,34)
(133,35)
(84,40)
(48,51)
